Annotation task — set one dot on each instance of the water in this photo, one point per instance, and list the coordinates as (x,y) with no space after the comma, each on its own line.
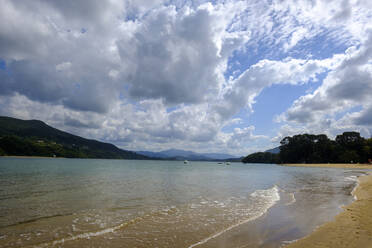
(121,203)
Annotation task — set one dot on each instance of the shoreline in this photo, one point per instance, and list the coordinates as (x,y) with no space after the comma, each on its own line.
(15,156)
(351,228)
(345,166)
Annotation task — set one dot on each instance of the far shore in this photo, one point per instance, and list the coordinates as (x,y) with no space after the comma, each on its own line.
(348,166)
(27,157)
(352,227)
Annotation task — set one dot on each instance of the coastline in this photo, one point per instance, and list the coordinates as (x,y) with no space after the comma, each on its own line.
(350,228)
(15,156)
(345,166)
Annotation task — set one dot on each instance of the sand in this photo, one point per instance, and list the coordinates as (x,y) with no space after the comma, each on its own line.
(352,227)
(350,166)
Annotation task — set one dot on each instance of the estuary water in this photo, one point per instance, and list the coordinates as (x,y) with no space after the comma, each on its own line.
(133,203)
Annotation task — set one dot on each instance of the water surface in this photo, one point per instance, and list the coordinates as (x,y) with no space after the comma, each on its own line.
(123,203)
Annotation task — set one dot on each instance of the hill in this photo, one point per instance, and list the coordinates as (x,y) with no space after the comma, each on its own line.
(275,150)
(262,158)
(35,138)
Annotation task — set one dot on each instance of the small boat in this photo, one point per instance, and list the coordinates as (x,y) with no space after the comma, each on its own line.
(185,162)
(227,163)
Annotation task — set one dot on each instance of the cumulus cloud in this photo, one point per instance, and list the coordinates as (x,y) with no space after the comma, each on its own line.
(177,55)
(348,85)
(158,74)
(50,60)
(364,117)
(265,73)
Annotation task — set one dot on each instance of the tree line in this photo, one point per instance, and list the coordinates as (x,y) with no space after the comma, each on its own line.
(12,145)
(348,147)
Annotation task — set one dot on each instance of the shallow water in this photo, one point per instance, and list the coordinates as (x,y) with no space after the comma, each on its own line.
(121,203)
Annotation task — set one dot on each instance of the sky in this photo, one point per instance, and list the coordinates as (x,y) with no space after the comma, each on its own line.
(207,76)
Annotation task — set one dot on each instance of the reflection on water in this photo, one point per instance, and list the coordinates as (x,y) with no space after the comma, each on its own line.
(118,203)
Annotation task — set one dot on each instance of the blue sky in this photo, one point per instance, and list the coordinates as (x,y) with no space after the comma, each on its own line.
(208,76)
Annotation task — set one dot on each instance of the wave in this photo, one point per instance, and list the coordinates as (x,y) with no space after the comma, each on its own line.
(269,198)
(351,178)
(292,200)
(90,234)
(261,200)
(354,189)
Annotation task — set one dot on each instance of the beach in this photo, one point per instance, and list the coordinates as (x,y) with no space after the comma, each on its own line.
(345,166)
(350,228)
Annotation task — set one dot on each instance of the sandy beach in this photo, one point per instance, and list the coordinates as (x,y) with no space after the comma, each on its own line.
(348,166)
(352,227)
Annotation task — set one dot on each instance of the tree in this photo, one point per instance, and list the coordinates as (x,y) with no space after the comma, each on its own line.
(2,153)
(301,148)
(308,148)
(261,157)
(350,156)
(351,140)
(352,147)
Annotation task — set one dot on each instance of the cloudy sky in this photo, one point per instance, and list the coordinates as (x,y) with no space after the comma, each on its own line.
(221,76)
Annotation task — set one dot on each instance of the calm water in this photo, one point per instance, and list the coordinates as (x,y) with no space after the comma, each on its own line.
(120,203)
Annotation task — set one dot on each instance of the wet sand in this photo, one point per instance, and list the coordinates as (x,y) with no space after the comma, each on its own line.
(352,227)
(347,166)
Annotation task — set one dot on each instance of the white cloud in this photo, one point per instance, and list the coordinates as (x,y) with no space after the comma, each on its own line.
(180,55)
(156,74)
(63,66)
(347,86)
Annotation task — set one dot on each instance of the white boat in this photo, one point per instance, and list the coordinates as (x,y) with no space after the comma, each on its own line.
(227,163)
(185,162)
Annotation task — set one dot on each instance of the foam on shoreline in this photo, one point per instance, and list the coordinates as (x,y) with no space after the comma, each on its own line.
(89,234)
(271,195)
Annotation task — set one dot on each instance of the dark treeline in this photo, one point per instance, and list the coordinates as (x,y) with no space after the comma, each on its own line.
(12,145)
(262,157)
(348,147)
(36,138)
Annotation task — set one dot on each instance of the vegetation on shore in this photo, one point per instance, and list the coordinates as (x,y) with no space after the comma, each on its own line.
(35,138)
(348,147)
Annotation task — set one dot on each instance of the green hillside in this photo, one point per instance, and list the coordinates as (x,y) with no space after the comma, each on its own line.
(35,138)
(348,147)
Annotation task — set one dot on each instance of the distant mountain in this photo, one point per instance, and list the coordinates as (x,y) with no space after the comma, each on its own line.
(275,150)
(189,155)
(152,154)
(220,156)
(35,138)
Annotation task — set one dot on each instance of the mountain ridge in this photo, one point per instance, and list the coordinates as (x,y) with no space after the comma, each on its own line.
(275,150)
(189,155)
(36,138)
